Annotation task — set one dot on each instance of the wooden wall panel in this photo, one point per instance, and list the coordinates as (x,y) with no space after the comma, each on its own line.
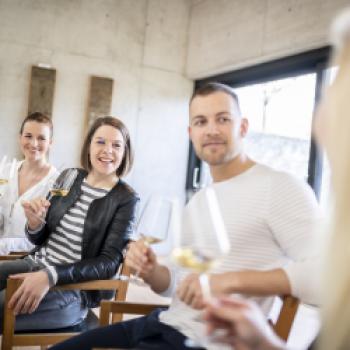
(41,94)
(100,98)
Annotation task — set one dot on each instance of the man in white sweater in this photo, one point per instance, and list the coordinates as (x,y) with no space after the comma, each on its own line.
(269,215)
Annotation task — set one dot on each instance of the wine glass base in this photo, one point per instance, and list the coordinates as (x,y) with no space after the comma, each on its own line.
(190,343)
(132,279)
(138,281)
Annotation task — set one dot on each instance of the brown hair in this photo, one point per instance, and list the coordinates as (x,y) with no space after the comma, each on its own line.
(127,160)
(39,118)
(212,87)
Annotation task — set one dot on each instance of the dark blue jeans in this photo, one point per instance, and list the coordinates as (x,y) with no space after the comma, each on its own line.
(58,309)
(146,333)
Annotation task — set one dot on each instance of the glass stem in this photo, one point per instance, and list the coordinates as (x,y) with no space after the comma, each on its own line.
(205,285)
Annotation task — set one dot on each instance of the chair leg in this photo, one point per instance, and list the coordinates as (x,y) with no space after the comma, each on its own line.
(9,317)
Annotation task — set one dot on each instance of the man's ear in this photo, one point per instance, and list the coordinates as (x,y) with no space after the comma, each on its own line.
(244,127)
(189,132)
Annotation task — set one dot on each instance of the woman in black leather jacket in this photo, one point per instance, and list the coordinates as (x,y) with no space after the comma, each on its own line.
(83,236)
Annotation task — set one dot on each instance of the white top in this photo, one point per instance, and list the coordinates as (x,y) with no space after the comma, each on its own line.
(13,236)
(270,217)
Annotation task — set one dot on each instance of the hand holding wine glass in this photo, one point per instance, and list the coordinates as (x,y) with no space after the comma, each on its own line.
(202,243)
(35,210)
(203,240)
(152,228)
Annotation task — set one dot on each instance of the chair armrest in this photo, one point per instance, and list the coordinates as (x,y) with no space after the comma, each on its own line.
(19,253)
(93,285)
(285,320)
(13,284)
(12,256)
(118,308)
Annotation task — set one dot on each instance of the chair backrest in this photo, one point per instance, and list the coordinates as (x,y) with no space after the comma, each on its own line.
(45,338)
(285,319)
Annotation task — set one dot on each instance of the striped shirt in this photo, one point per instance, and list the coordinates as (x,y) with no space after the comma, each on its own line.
(64,244)
(270,218)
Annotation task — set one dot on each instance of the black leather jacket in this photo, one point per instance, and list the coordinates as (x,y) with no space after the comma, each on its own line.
(108,225)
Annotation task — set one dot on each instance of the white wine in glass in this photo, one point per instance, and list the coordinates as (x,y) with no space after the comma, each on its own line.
(63,184)
(149,240)
(193,259)
(59,192)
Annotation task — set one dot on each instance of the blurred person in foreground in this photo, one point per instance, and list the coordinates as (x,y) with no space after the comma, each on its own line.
(245,326)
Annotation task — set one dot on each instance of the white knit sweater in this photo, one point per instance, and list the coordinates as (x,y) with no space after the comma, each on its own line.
(270,217)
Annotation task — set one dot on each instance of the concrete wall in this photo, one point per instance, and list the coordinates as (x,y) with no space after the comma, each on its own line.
(141,44)
(150,48)
(230,34)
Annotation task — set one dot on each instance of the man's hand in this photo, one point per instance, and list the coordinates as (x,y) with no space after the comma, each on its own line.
(141,259)
(28,296)
(190,290)
(34,210)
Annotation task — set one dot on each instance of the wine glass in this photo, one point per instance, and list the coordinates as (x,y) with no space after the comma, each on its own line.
(153,225)
(203,241)
(3,181)
(63,184)
(60,187)
(7,170)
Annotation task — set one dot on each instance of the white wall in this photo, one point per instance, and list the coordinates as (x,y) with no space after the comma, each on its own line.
(140,44)
(230,34)
(161,139)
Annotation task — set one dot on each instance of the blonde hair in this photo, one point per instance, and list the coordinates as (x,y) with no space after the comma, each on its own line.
(336,318)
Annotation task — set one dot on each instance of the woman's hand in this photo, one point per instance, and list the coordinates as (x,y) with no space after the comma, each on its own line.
(244,324)
(34,210)
(28,296)
(141,258)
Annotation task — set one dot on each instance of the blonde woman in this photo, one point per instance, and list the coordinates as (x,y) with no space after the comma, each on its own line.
(333,133)
(245,326)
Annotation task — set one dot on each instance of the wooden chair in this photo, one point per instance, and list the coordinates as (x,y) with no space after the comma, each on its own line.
(43,338)
(285,319)
(13,256)
(282,326)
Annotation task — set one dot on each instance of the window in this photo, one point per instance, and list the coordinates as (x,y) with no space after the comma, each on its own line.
(280,117)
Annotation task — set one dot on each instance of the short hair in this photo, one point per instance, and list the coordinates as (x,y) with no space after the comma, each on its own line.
(39,118)
(213,87)
(116,123)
